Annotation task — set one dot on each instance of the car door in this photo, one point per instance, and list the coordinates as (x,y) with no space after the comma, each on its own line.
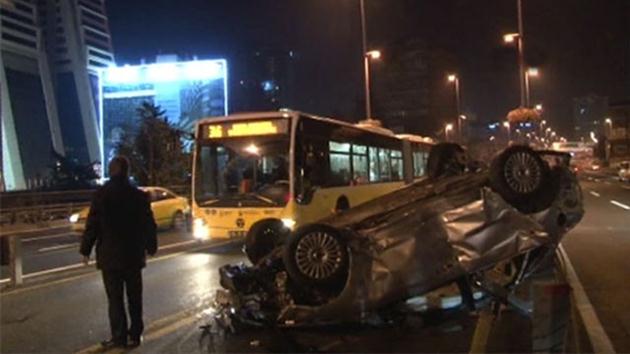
(160,204)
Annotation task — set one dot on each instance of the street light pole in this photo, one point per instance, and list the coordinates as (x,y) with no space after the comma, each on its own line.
(455,80)
(366,62)
(521,51)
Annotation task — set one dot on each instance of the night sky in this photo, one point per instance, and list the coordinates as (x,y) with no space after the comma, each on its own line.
(580,46)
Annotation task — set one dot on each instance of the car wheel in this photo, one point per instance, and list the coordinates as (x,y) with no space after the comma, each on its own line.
(446,159)
(317,256)
(523,179)
(263,237)
(179,221)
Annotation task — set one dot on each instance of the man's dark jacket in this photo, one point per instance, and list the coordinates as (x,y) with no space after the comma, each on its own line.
(121,224)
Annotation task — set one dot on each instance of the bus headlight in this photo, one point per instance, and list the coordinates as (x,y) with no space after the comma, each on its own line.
(74,218)
(201,231)
(288,223)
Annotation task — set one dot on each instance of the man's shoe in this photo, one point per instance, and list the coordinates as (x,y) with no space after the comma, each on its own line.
(111,343)
(134,342)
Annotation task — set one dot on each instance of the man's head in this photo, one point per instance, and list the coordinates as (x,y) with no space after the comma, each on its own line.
(119,167)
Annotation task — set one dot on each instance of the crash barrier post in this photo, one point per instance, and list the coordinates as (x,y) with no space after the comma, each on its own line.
(14,242)
(15,260)
(552,316)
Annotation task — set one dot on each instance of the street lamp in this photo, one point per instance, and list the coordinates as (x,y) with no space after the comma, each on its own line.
(447,129)
(608,122)
(373,54)
(531,72)
(455,80)
(539,107)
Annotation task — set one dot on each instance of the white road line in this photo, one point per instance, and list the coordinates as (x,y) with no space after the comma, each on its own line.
(621,205)
(596,333)
(31,239)
(58,247)
(595,194)
(79,265)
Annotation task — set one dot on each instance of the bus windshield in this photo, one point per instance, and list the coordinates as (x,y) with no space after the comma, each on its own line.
(243,172)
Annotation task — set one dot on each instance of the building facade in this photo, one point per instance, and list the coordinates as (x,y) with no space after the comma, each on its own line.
(51,51)
(186,90)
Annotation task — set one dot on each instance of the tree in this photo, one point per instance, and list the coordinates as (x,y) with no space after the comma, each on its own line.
(155,149)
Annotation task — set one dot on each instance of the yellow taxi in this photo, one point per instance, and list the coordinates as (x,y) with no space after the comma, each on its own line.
(169,210)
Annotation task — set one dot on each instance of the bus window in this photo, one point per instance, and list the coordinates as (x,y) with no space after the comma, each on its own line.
(339,164)
(397,165)
(419,163)
(374,175)
(359,164)
(385,165)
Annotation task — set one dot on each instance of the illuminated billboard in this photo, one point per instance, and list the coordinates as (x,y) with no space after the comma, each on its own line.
(187,91)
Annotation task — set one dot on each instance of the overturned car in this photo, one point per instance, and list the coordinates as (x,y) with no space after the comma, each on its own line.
(457,225)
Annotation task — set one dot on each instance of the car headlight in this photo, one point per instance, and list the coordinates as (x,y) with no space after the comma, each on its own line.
(201,231)
(288,223)
(74,218)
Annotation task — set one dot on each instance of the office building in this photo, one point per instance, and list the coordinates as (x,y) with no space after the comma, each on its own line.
(51,51)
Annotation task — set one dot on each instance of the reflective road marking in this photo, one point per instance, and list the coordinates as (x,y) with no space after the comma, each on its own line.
(80,265)
(595,194)
(621,205)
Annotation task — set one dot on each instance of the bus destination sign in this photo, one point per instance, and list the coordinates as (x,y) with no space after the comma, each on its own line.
(247,128)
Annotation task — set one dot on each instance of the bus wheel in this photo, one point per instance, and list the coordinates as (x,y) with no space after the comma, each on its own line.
(317,256)
(263,237)
(523,179)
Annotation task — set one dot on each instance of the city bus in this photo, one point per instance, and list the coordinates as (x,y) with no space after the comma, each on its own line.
(263,174)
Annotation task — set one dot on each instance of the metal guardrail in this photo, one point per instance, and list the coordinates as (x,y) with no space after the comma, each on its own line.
(39,209)
(11,247)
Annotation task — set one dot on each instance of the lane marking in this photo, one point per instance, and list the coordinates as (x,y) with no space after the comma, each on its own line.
(595,194)
(79,265)
(58,247)
(157,328)
(596,333)
(621,205)
(92,262)
(38,238)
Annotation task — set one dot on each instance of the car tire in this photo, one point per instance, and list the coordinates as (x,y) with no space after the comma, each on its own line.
(317,256)
(443,160)
(523,179)
(263,237)
(178,221)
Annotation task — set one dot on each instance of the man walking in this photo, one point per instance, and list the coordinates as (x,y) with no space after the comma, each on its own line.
(120,223)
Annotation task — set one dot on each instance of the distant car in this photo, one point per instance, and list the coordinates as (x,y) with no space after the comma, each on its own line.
(624,171)
(169,210)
